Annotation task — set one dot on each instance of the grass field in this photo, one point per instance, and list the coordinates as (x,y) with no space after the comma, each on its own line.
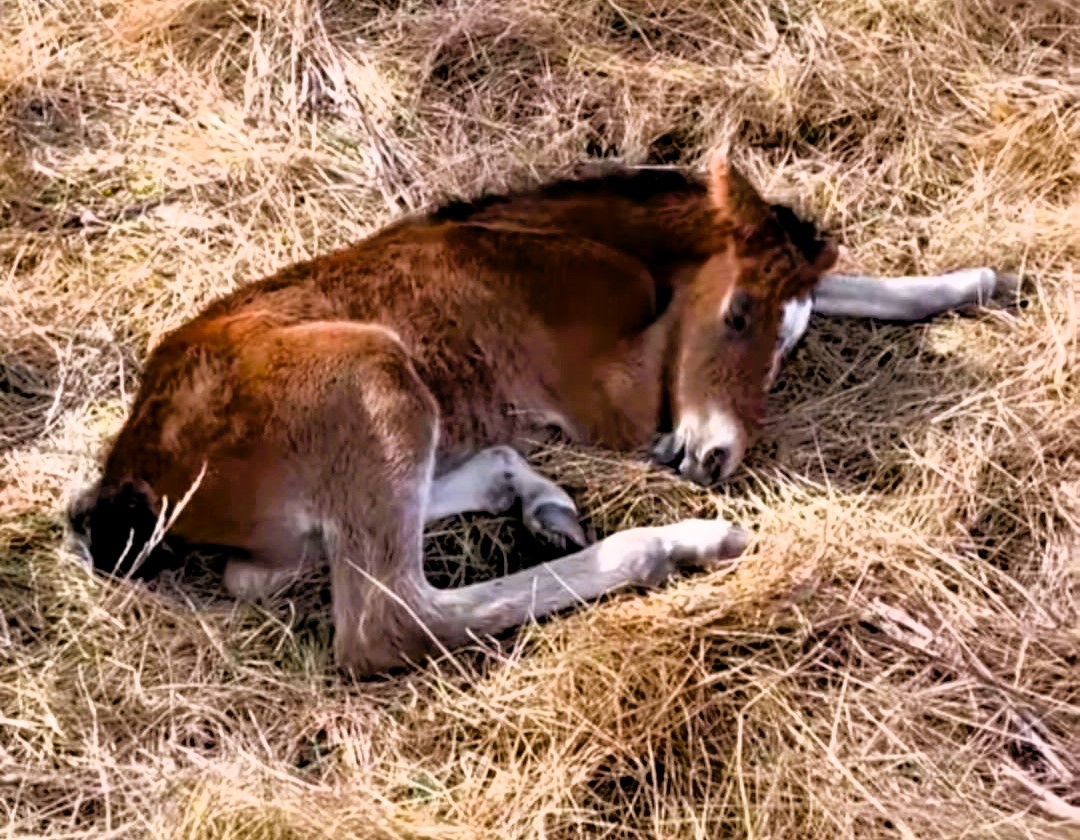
(898,654)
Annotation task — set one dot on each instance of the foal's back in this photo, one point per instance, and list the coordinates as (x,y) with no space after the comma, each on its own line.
(507,328)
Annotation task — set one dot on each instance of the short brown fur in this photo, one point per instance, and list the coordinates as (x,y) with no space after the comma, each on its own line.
(323,410)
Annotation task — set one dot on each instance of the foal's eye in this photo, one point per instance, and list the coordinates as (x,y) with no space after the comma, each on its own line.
(736,322)
(737,317)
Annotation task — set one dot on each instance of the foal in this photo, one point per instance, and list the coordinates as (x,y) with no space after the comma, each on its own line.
(333,409)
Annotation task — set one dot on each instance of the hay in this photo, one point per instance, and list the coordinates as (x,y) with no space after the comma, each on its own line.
(896,656)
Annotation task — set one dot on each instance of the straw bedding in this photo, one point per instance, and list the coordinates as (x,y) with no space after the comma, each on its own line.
(897,654)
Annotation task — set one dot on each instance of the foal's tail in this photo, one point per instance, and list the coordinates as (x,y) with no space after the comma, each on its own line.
(117,524)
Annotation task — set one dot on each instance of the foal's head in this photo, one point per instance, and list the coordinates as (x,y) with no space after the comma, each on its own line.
(729,325)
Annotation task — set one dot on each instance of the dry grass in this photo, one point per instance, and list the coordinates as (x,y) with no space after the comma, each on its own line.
(898,655)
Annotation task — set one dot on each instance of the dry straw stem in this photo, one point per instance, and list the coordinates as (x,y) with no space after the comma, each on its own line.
(895,657)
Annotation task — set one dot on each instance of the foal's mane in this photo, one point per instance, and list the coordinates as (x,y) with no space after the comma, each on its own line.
(602,179)
(606,181)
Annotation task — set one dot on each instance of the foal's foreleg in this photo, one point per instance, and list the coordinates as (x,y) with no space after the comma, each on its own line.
(492,480)
(909,298)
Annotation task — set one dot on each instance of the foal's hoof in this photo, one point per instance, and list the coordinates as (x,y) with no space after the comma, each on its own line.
(686,546)
(556,524)
(982,287)
(1007,288)
(706,543)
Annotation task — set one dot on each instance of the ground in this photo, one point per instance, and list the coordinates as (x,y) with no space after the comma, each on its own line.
(897,655)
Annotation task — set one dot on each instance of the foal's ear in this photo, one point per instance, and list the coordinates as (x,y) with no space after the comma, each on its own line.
(824,256)
(732,194)
(820,250)
(828,255)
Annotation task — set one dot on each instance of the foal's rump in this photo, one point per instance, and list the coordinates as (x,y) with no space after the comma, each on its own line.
(257,440)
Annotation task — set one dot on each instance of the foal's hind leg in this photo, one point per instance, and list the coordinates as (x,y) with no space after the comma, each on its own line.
(362,434)
(636,557)
(495,478)
(489,482)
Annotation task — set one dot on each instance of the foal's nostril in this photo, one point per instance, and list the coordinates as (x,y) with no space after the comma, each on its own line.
(715,462)
(667,450)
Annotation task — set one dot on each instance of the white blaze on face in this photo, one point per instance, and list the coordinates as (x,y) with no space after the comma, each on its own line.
(793,325)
